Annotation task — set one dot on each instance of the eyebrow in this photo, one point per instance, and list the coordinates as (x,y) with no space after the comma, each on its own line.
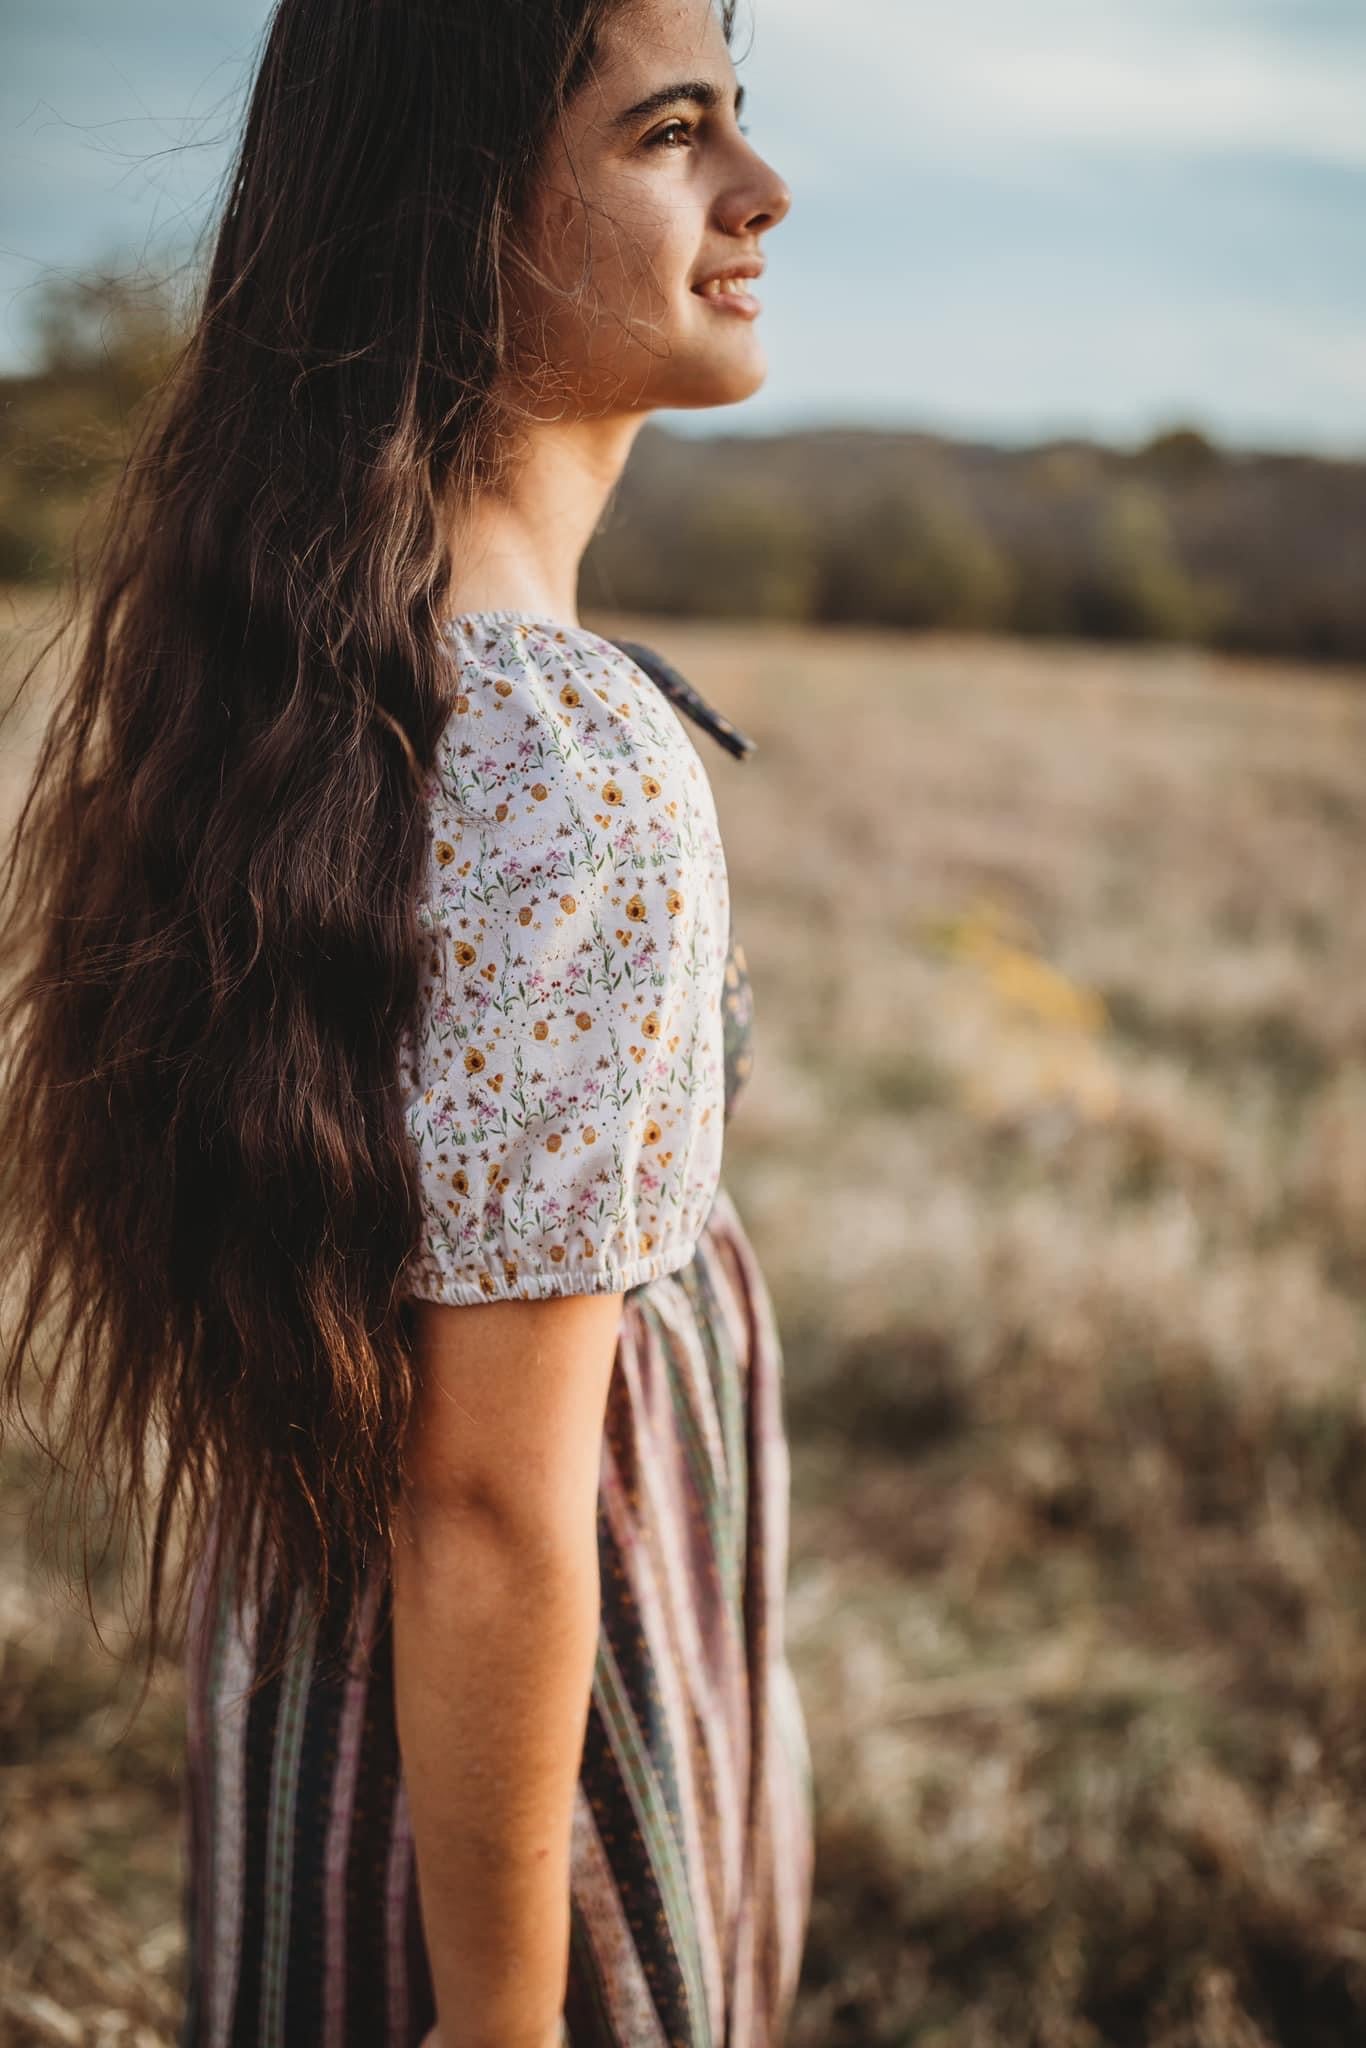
(700,91)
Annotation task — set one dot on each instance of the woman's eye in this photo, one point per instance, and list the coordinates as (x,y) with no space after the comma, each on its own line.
(683,128)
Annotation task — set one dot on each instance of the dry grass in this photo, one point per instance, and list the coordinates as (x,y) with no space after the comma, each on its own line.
(1055,1155)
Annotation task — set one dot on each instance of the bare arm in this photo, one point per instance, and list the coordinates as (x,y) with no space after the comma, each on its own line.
(496,1613)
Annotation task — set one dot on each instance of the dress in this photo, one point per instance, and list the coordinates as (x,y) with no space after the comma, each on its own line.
(584,1034)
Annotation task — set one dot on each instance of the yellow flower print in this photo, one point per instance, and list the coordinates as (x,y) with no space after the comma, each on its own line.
(510,1271)
(673,902)
(646,1240)
(525,914)
(556,1254)
(540,1029)
(539,791)
(465,954)
(496,1083)
(650,1025)
(590,1136)
(500,812)
(462,703)
(651,785)
(490,972)
(583,1020)
(492,1172)
(569,904)
(503,687)
(636,909)
(445,852)
(487,1286)
(611,793)
(553,1142)
(569,695)
(652,1134)
(460,1181)
(589,1248)
(474,1060)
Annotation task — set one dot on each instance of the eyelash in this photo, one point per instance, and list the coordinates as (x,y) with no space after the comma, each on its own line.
(687,128)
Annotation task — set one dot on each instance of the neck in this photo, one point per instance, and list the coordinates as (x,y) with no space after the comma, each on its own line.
(521,548)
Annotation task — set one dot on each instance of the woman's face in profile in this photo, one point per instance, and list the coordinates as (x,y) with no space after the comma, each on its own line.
(636,205)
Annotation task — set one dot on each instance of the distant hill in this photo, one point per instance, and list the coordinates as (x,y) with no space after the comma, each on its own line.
(1178,539)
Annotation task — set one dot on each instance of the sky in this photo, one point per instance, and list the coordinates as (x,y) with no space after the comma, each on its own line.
(1008,220)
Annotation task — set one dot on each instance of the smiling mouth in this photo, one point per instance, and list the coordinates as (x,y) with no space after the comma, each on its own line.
(729,295)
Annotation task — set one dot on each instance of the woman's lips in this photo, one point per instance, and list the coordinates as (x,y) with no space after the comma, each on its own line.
(743,303)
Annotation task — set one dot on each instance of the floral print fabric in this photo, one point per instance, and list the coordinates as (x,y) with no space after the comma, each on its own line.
(565,1091)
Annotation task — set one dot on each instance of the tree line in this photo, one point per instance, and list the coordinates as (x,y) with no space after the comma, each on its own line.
(1177,539)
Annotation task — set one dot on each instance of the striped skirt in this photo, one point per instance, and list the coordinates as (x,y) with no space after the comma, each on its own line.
(692,1848)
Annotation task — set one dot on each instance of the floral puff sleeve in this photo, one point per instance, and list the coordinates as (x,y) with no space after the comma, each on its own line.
(564,1088)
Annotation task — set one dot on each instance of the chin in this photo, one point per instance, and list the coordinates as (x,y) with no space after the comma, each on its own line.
(718,383)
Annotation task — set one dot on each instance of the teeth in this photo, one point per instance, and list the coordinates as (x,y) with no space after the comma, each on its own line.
(726,284)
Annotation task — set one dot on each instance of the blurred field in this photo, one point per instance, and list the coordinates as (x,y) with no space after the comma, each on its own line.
(1055,1155)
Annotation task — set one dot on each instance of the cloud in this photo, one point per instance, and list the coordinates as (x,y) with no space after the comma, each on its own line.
(906,79)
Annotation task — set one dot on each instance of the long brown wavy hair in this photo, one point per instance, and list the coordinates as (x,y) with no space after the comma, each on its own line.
(209,937)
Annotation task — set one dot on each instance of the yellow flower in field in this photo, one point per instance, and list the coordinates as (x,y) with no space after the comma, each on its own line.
(650,1025)
(636,909)
(673,902)
(611,793)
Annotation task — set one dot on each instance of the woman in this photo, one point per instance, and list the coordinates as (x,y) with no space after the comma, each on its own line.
(365,1110)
